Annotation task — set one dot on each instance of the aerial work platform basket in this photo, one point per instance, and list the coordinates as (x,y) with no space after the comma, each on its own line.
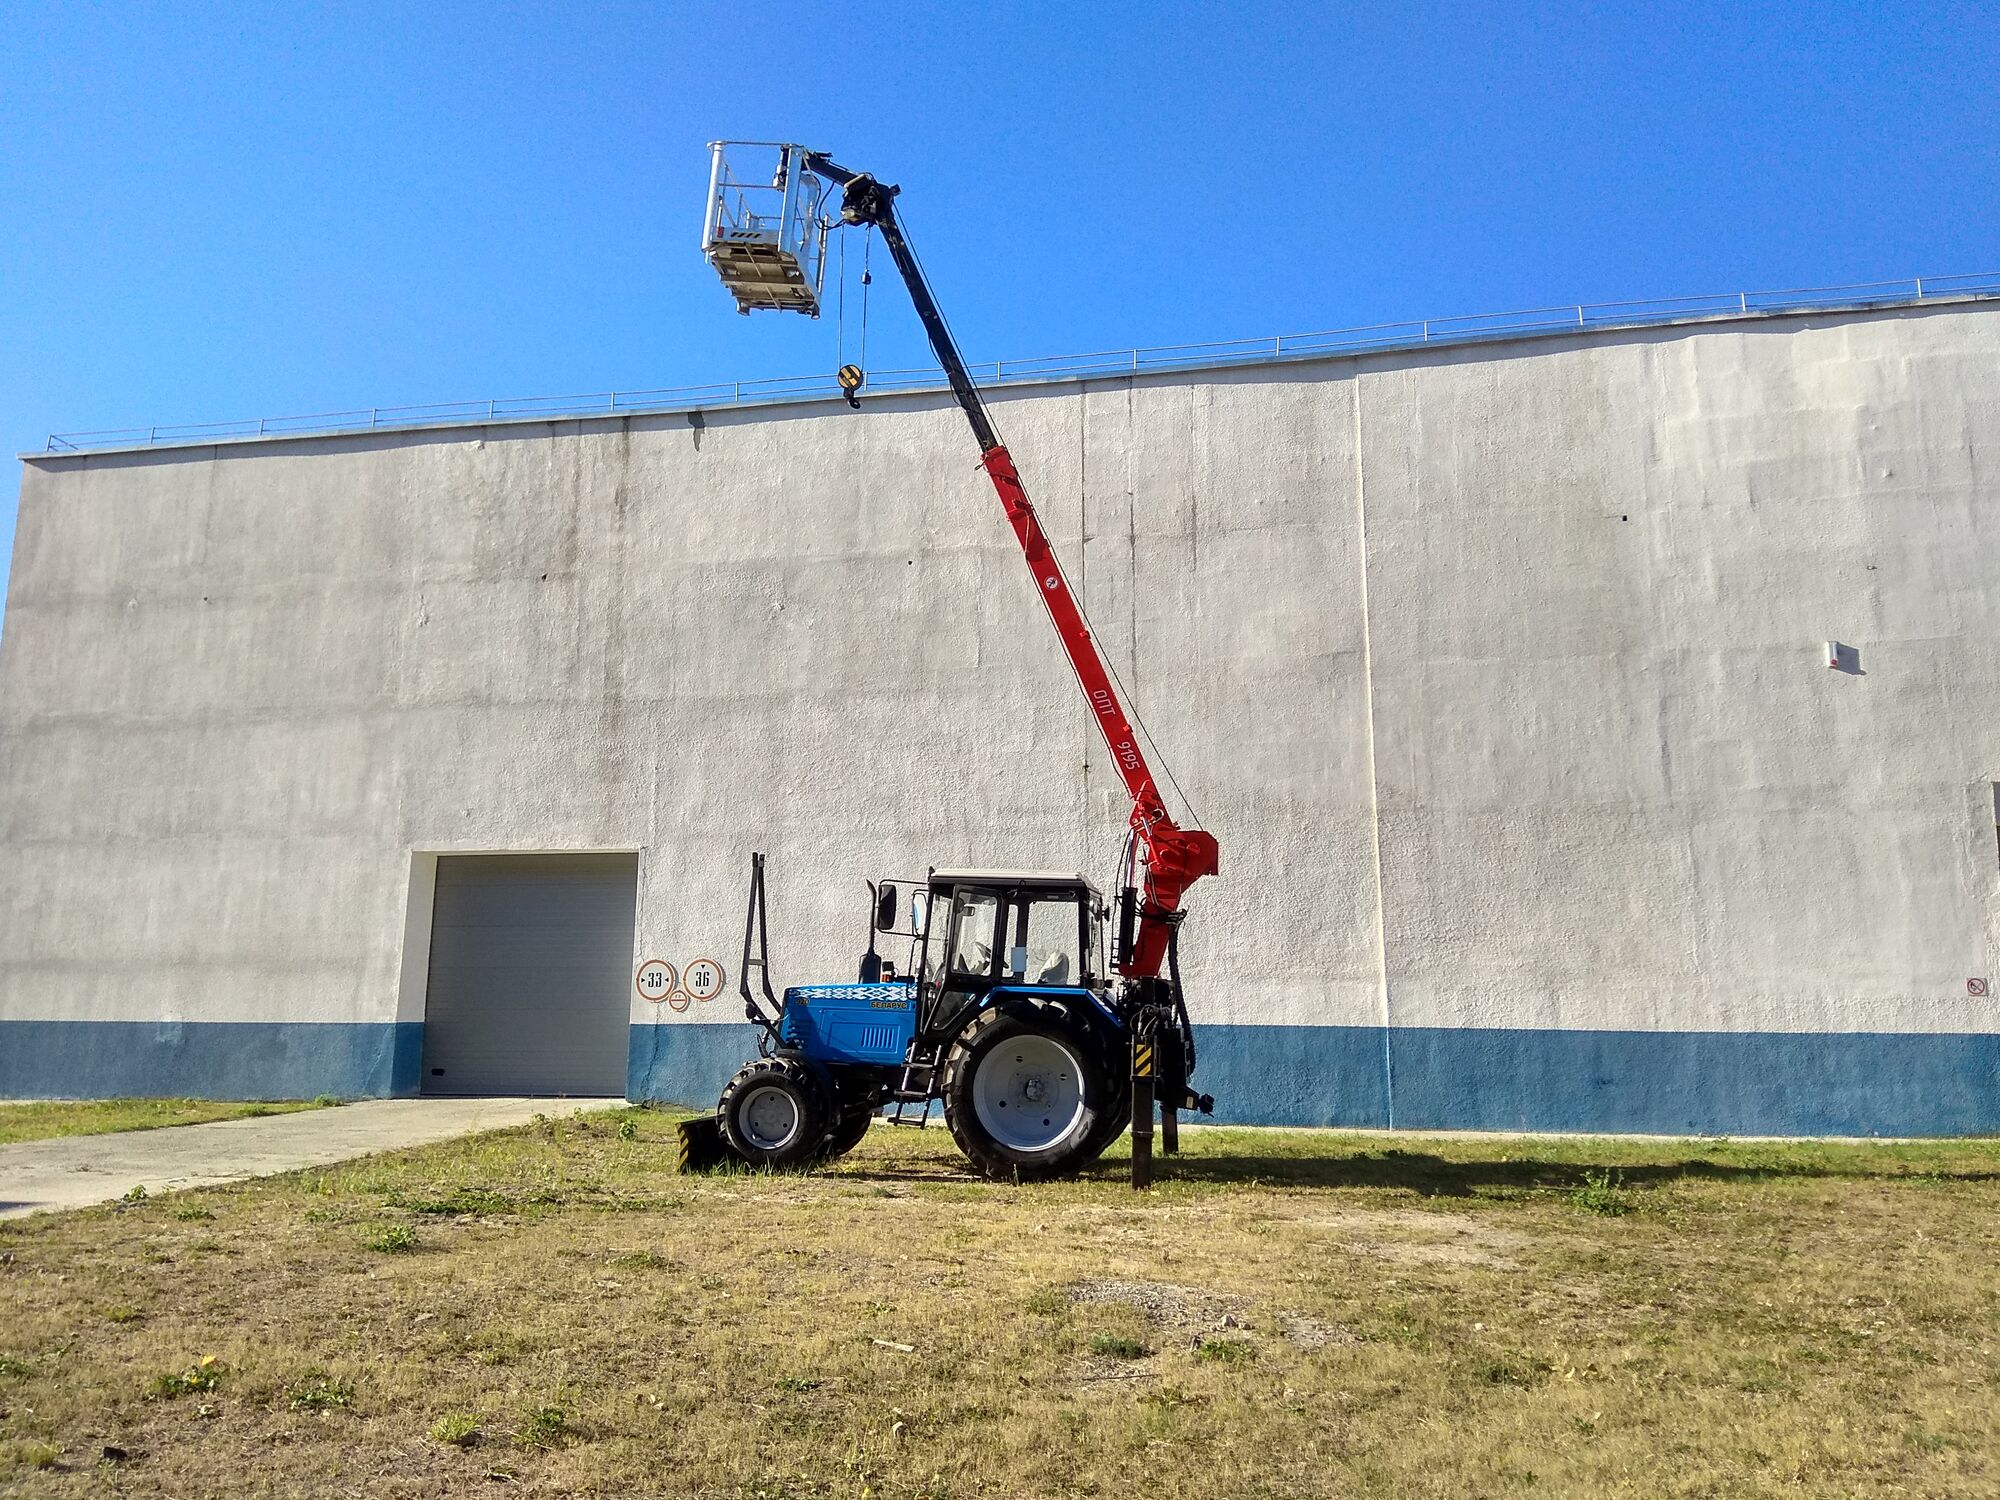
(765,232)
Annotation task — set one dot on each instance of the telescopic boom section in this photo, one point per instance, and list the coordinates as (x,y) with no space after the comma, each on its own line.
(1176,857)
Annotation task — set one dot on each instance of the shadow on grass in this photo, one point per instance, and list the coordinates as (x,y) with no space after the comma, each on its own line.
(1437,1176)
(1429,1175)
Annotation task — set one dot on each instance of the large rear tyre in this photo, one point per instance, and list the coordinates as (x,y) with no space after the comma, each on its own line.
(1115,1047)
(1026,1092)
(1117,1112)
(774,1112)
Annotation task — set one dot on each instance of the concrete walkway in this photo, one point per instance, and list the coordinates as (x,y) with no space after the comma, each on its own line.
(76,1171)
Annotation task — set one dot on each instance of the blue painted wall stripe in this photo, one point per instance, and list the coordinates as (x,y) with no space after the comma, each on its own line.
(1700,1082)
(207,1059)
(1647,1082)
(1709,1083)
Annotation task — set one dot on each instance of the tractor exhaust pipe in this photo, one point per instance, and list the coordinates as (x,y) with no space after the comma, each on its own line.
(1128,921)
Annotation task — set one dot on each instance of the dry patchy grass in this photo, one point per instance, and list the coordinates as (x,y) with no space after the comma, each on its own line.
(40,1120)
(551,1311)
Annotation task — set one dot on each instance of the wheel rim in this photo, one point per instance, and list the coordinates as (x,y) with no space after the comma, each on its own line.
(768,1117)
(1028,1092)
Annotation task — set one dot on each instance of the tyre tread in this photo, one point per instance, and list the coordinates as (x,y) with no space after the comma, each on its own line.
(813,1103)
(981,1150)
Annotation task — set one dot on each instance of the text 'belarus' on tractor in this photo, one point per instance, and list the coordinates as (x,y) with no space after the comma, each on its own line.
(1041,1035)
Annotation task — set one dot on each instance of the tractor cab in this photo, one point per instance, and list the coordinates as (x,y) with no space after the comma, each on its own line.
(1026,931)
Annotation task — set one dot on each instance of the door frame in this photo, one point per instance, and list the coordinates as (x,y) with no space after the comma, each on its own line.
(420,904)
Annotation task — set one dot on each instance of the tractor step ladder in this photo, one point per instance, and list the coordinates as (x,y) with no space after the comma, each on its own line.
(920,1072)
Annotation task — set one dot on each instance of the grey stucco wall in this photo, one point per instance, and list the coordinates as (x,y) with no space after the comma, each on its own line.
(1498,673)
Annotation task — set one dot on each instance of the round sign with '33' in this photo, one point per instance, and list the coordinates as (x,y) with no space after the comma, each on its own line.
(656,979)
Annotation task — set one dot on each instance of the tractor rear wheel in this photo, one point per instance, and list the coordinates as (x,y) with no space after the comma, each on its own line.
(1117,1111)
(1026,1090)
(774,1112)
(1115,1048)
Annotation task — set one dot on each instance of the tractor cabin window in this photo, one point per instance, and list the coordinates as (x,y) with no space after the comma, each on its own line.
(1048,942)
(975,927)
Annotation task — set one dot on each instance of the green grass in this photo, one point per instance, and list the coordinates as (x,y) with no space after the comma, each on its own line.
(1286,1314)
(45,1120)
(544,1427)
(205,1374)
(392,1239)
(1118,1346)
(1601,1193)
(316,1390)
(457,1429)
(1225,1351)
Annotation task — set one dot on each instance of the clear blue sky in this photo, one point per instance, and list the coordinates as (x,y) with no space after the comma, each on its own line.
(216,212)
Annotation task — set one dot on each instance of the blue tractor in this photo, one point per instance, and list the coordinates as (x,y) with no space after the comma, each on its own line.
(1004,1012)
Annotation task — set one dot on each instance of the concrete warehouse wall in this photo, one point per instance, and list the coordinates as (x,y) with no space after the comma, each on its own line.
(1499,672)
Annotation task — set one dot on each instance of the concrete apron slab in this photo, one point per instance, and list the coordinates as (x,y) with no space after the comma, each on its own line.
(76,1171)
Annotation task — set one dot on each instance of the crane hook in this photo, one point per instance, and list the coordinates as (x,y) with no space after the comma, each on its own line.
(850,378)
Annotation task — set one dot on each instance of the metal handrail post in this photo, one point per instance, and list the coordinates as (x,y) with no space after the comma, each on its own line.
(714,195)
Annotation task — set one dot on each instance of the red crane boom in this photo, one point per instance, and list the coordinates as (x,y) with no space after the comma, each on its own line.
(1175,857)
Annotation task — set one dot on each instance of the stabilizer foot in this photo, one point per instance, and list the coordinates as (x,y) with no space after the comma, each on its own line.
(699,1145)
(1144,1071)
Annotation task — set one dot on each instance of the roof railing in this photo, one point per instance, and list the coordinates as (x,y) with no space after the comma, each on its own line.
(1409,334)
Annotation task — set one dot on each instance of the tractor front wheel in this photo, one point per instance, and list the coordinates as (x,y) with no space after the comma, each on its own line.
(1026,1093)
(774,1112)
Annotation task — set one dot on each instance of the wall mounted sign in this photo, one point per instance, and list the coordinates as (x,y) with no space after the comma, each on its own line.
(704,979)
(656,979)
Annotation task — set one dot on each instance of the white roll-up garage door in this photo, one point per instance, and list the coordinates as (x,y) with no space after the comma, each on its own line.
(531,957)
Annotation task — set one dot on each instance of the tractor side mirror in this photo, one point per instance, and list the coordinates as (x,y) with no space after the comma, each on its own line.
(885,909)
(919,912)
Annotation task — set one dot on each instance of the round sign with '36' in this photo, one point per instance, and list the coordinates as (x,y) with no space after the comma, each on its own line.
(703,979)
